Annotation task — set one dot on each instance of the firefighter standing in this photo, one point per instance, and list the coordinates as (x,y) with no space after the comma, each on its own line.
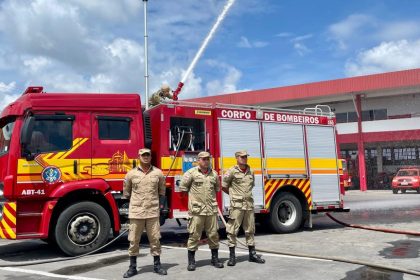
(144,186)
(202,183)
(157,97)
(238,182)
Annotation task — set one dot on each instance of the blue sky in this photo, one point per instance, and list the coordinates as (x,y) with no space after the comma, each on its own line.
(97,45)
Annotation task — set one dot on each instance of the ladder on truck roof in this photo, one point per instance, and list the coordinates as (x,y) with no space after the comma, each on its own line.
(318,110)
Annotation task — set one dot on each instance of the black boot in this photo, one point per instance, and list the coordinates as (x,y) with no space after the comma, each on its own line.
(157,267)
(215,258)
(132,269)
(253,257)
(191,260)
(232,257)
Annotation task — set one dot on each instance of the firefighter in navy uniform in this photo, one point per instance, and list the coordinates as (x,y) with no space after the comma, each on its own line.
(238,182)
(145,187)
(202,183)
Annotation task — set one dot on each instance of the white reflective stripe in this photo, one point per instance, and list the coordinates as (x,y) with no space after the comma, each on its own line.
(47,274)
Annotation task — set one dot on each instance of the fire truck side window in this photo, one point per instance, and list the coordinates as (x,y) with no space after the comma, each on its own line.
(50,134)
(187,134)
(114,128)
(5,135)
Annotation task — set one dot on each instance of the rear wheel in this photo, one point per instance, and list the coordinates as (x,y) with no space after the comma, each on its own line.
(286,213)
(394,191)
(82,228)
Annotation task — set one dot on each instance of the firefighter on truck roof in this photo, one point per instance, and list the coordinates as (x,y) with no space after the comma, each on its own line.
(238,182)
(160,95)
(202,183)
(145,187)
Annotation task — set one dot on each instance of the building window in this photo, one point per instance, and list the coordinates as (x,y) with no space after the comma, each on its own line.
(404,153)
(369,115)
(386,154)
(341,117)
(351,117)
(380,114)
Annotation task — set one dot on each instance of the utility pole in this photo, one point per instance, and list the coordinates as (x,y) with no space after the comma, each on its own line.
(146,58)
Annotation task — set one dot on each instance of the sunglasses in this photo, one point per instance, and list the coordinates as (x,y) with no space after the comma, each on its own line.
(243,156)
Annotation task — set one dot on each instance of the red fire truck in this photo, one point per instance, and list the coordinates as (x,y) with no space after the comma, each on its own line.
(63,158)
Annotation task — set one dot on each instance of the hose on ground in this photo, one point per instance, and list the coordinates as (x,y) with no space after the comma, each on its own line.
(387,230)
(332,258)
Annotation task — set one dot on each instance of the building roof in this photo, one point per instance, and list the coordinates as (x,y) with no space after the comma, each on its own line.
(383,82)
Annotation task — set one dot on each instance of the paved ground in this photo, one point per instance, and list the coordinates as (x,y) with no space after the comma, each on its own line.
(375,208)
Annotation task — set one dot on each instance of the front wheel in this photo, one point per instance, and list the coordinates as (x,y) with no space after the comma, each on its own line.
(286,213)
(403,191)
(394,191)
(82,228)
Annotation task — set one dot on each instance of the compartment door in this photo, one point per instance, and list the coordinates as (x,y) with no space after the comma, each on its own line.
(322,153)
(242,135)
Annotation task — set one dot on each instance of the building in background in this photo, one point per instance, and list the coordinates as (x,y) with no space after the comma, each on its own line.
(378,119)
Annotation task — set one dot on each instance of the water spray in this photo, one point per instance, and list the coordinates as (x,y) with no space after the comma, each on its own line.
(203,47)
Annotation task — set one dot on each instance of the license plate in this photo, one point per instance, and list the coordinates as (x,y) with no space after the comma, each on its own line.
(404,183)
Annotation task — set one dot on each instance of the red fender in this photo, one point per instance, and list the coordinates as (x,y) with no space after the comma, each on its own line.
(66,188)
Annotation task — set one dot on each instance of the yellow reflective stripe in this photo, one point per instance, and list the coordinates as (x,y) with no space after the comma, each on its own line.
(8,229)
(9,215)
(255,163)
(13,205)
(167,161)
(285,163)
(2,236)
(323,163)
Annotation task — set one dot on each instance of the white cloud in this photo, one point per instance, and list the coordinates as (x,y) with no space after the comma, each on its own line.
(349,28)
(245,43)
(388,56)
(91,46)
(302,38)
(301,48)
(231,77)
(7,96)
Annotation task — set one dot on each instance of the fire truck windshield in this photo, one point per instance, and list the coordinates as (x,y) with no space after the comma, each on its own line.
(5,135)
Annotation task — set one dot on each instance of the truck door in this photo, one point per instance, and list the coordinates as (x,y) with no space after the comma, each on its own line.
(322,156)
(53,153)
(115,144)
(242,135)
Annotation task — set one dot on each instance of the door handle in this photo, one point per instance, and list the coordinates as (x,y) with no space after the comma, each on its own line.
(75,166)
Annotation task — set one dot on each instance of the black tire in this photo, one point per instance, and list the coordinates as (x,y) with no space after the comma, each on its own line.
(403,191)
(418,190)
(286,213)
(82,228)
(394,191)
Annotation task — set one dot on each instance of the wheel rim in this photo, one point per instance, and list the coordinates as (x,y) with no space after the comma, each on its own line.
(83,229)
(287,213)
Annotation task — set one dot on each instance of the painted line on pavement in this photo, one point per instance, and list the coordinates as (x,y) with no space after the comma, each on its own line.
(47,274)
